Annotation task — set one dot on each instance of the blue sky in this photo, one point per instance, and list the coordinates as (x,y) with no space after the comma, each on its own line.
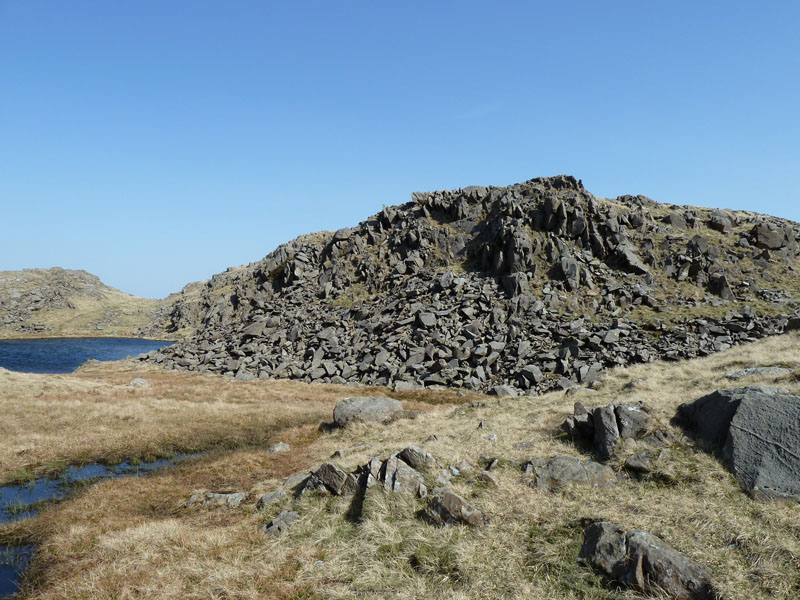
(157,143)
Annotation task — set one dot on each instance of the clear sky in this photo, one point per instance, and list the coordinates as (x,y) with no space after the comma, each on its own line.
(156,143)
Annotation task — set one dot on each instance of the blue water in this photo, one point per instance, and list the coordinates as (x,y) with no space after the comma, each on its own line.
(13,562)
(19,502)
(64,355)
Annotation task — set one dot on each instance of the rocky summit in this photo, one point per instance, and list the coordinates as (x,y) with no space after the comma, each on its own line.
(524,288)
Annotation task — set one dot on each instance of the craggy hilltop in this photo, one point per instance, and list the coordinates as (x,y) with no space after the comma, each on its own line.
(529,287)
(533,286)
(65,303)
(649,476)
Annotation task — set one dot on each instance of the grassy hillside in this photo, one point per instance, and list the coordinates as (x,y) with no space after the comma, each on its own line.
(63,303)
(134,538)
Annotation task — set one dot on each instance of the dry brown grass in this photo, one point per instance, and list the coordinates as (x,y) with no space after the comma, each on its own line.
(95,415)
(133,538)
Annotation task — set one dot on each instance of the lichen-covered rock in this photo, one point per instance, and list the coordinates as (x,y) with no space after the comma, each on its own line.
(366,410)
(397,476)
(232,500)
(559,471)
(270,498)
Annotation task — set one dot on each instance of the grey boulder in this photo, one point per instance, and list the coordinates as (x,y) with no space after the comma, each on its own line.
(366,410)
(446,508)
(757,429)
(644,562)
(559,471)
(281,523)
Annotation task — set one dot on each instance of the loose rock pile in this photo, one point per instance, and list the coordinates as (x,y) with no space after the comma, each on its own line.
(522,288)
(403,472)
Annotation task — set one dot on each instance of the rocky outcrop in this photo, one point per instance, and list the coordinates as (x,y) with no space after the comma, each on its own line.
(604,426)
(64,302)
(644,562)
(525,288)
(757,431)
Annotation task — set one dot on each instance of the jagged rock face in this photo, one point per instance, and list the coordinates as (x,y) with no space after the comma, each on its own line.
(525,286)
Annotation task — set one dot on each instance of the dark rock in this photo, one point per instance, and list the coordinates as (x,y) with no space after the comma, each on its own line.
(503,391)
(426,319)
(768,236)
(332,477)
(639,462)
(632,420)
(417,458)
(720,221)
(606,431)
(446,508)
(644,562)
(758,429)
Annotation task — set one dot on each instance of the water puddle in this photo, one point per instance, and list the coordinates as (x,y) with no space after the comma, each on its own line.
(13,562)
(21,501)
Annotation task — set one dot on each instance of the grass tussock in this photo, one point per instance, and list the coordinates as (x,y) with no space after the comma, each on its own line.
(133,538)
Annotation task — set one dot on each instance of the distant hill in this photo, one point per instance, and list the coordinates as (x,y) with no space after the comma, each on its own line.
(61,302)
(527,287)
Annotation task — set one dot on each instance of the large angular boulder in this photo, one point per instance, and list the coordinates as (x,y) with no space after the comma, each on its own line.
(642,561)
(366,410)
(757,430)
(769,236)
(398,476)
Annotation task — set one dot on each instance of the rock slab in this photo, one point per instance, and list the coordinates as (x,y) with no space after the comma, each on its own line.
(758,431)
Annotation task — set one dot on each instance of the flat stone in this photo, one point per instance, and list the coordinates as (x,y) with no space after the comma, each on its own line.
(270,498)
(281,523)
(551,474)
(757,371)
(279,447)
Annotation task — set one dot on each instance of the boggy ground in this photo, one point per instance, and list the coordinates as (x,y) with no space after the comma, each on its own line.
(134,538)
